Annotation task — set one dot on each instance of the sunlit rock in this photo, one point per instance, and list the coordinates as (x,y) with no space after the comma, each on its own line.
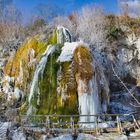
(57,77)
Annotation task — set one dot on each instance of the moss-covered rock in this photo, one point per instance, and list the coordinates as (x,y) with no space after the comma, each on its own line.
(13,66)
(83,63)
(67,90)
(22,65)
(56,76)
(48,85)
(50,100)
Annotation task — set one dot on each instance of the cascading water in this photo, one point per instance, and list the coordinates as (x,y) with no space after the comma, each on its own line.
(39,72)
(63,35)
(89,103)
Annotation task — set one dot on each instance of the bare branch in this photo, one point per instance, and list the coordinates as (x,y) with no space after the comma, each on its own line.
(125,86)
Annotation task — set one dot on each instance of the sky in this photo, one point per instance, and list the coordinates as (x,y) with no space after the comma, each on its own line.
(27,6)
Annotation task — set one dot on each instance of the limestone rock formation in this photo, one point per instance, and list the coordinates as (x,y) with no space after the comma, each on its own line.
(56,76)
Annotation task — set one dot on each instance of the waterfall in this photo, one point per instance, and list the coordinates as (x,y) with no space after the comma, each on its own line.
(89,103)
(88,89)
(91,100)
(39,72)
(63,35)
(64,79)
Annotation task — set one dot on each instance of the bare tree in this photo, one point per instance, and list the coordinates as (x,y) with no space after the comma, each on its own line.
(12,15)
(9,14)
(35,26)
(129,8)
(10,26)
(91,25)
(3,5)
(10,21)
